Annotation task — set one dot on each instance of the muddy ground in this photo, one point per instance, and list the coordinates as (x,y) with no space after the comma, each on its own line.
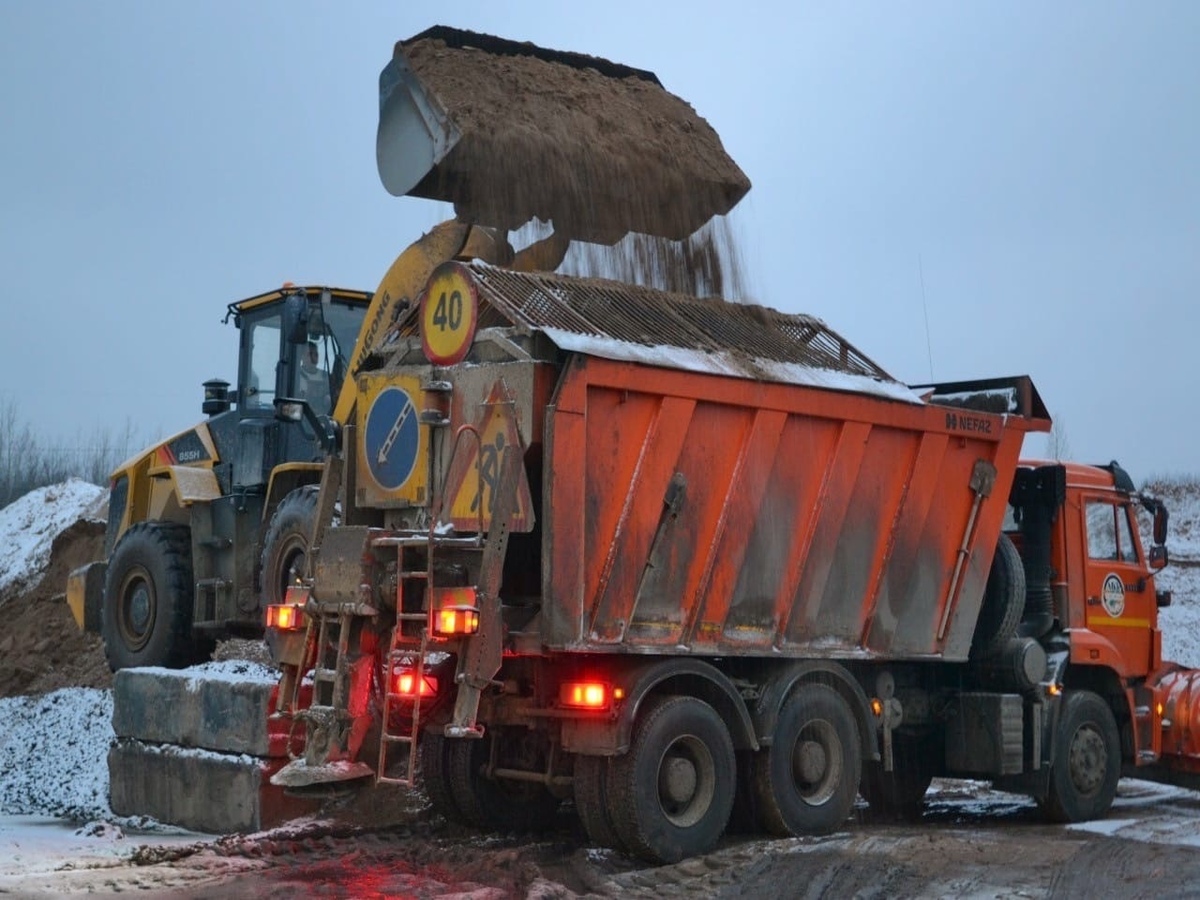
(969,842)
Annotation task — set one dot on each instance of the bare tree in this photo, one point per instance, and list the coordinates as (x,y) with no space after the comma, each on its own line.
(1057,445)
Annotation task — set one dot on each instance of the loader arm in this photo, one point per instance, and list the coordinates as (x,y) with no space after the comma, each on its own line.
(402,283)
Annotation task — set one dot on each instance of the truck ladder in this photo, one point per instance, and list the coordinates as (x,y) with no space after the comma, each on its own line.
(326,711)
(404,645)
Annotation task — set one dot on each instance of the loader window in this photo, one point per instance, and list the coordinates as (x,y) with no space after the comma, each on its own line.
(1109,535)
(264,337)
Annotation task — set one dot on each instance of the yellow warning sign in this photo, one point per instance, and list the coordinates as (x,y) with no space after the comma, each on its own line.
(476,473)
(449,313)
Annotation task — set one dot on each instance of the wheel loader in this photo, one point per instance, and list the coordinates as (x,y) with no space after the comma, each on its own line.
(205,523)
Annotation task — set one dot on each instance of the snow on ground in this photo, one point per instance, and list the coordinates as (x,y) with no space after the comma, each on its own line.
(30,525)
(64,733)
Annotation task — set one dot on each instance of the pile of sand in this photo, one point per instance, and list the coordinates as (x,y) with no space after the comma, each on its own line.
(41,648)
(601,152)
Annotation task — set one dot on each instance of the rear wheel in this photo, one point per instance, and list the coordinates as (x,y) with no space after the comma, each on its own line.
(901,791)
(285,543)
(146,619)
(671,795)
(591,801)
(806,781)
(1087,760)
(435,776)
(501,804)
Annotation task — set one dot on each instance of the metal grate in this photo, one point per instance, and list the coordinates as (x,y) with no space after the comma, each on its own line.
(611,310)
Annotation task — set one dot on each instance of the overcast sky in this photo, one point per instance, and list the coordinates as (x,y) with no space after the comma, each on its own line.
(1038,164)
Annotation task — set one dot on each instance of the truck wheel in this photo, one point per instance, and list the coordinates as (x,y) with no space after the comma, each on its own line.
(1003,602)
(435,775)
(806,781)
(900,792)
(591,801)
(1087,760)
(498,804)
(671,795)
(285,544)
(146,618)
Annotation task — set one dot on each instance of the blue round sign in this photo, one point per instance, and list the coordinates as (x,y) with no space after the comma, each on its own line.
(391,437)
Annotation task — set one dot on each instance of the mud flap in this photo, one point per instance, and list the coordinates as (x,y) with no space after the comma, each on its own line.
(85,594)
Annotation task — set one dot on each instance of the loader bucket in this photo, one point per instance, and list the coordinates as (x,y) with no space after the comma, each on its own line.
(509,131)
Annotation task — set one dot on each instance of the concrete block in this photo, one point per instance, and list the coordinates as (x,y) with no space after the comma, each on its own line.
(171,706)
(216,793)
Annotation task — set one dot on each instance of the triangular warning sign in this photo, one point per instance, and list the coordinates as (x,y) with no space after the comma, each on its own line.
(475,472)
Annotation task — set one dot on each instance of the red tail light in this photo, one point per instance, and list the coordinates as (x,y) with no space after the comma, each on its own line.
(404,684)
(587,695)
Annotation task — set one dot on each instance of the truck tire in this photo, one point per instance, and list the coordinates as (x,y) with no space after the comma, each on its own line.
(1003,602)
(670,796)
(900,793)
(285,543)
(806,780)
(495,804)
(1086,762)
(591,801)
(146,618)
(435,777)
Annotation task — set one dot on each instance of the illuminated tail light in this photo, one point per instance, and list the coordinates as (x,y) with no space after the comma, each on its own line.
(404,684)
(587,695)
(455,612)
(285,617)
(453,621)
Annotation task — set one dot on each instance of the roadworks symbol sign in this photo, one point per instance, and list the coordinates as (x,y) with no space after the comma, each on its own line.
(474,477)
(1113,595)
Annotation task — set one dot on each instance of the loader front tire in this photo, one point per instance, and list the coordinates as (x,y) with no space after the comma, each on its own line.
(285,544)
(146,619)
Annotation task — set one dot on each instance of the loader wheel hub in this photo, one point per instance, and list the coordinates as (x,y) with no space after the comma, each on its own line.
(138,614)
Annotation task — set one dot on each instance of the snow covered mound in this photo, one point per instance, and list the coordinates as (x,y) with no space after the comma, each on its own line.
(30,525)
(54,754)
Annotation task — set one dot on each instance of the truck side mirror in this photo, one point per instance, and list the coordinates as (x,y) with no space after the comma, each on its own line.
(1160,523)
(295,318)
(315,325)
(1158,557)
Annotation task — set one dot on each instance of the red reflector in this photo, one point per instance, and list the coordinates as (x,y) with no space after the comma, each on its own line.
(404,683)
(585,694)
(285,617)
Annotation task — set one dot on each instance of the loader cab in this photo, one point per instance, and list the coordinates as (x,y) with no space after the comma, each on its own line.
(279,332)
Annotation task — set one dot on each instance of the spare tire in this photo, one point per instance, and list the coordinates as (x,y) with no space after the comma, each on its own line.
(1003,602)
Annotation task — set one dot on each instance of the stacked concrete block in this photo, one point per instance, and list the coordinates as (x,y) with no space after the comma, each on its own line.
(199,751)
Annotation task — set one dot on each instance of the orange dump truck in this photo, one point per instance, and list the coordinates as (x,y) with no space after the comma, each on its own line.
(679,561)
